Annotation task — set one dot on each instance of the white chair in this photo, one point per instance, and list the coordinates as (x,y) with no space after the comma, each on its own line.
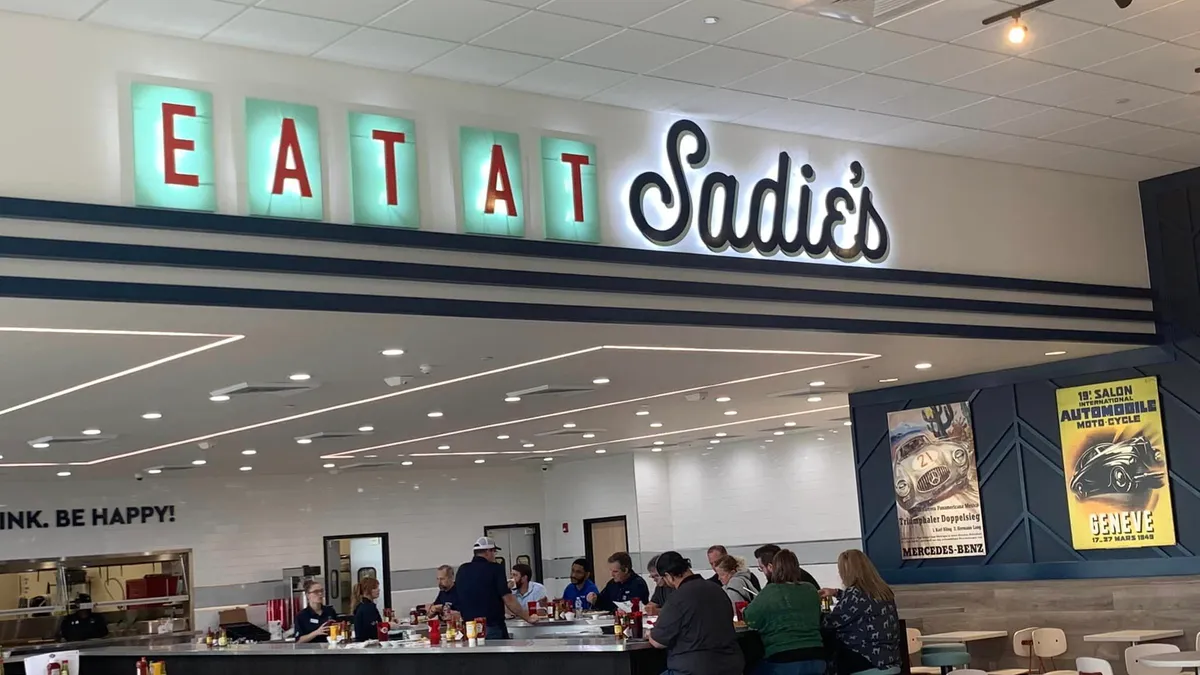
(1047,644)
(1087,665)
(1198,642)
(914,647)
(1134,655)
(1022,642)
(969,671)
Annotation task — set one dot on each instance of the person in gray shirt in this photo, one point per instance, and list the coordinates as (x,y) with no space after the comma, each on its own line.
(696,627)
(662,591)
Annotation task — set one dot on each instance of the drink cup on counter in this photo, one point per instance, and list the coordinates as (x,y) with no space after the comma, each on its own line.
(739,609)
(334,632)
(435,632)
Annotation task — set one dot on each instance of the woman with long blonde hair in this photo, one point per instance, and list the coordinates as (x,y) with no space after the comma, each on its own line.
(366,612)
(864,620)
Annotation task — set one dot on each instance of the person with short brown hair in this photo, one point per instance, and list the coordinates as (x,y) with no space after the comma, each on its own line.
(624,586)
(864,620)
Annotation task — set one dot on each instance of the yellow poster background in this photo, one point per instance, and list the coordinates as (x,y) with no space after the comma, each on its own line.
(1115,464)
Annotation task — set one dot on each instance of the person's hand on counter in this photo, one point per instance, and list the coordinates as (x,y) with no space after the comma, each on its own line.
(591,598)
(434,610)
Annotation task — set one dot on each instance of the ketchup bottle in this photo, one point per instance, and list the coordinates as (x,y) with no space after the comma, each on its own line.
(635,620)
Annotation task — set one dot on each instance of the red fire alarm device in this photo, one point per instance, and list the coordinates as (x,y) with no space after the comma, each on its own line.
(566,528)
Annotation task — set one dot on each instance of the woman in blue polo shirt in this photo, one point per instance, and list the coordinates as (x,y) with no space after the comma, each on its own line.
(312,623)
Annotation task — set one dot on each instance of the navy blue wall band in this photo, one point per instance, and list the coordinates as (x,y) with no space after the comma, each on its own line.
(1093,569)
(113,291)
(35,209)
(125,254)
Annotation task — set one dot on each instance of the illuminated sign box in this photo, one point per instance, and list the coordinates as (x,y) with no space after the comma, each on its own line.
(283,160)
(384,182)
(173,148)
(570,196)
(493,189)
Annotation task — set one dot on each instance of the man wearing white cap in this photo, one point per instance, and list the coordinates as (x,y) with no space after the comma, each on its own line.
(483,591)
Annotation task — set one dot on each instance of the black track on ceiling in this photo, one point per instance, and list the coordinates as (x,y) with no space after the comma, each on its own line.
(1016,12)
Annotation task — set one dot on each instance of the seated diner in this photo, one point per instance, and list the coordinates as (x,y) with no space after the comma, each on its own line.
(864,623)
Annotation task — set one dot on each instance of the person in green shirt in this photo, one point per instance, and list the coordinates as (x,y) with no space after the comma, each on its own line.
(787,615)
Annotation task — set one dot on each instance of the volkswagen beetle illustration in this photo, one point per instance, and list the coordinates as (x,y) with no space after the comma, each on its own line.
(927,469)
(1125,467)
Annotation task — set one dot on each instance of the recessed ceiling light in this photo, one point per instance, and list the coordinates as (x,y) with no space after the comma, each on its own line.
(246,468)
(91,432)
(371,456)
(655,425)
(502,437)
(299,377)
(250,452)
(714,441)
(820,438)
(817,383)
(366,430)
(1056,353)
(41,446)
(601,380)
(814,399)
(589,435)
(847,423)
(655,449)
(769,440)
(304,441)
(730,412)
(199,462)
(152,416)
(218,399)
(547,459)
(642,413)
(600,451)
(64,474)
(789,424)
(660,442)
(480,461)
(435,413)
(569,425)
(778,433)
(154,472)
(443,447)
(886,380)
(923,366)
(721,434)
(527,445)
(392,352)
(710,20)
(512,399)
(329,466)
(724,399)
(406,463)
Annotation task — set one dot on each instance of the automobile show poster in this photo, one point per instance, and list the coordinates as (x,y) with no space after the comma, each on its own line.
(936,482)
(1115,464)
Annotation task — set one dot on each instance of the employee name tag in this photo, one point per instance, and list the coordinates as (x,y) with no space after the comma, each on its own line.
(315,620)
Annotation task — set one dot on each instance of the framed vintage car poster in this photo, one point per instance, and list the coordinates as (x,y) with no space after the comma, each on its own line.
(1115,465)
(936,482)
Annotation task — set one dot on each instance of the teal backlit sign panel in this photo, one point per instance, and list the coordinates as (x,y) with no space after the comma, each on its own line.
(384,184)
(569,191)
(173,148)
(493,191)
(283,156)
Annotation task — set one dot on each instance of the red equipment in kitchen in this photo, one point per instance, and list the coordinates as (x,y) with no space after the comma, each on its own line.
(151,586)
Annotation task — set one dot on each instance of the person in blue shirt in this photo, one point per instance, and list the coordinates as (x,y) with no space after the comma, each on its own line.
(312,623)
(447,597)
(581,585)
(366,612)
(483,591)
(624,586)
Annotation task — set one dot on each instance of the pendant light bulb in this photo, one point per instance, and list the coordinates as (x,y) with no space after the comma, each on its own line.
(1017,33)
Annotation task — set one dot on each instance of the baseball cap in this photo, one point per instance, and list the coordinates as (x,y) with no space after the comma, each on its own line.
(486,544)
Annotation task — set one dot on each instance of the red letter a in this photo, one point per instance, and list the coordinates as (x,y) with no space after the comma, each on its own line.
(289,144)
(499,186)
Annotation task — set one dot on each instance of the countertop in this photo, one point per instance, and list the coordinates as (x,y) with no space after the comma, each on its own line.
(20,652)
(543,645)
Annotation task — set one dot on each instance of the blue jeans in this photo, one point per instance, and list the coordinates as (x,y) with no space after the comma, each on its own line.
(814,667)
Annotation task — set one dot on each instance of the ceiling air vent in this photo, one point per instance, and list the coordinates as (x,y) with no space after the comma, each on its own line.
(867,12)
(49,441)
(553,390)
(559,433)
(326,435)
(798,427)
(172,469)
(272,388)
(803,393)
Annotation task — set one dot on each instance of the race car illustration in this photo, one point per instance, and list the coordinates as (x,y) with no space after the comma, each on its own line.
(927,469)
(1126,467)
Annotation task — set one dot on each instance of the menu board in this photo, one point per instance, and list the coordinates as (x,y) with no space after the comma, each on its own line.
(1115,464)
(936,482)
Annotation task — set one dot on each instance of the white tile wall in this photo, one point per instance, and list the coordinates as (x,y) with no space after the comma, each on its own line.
(599,488)
(652,477)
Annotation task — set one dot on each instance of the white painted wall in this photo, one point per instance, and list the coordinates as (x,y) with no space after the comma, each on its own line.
(63,140)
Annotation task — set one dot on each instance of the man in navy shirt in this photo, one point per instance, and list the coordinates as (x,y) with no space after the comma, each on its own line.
(624,586)
(581,585)
(447,592)
(483,591)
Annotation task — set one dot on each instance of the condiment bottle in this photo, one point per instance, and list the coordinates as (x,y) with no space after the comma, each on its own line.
(635,620)
(208,637)
(65,667)
(223,640)
(619,625)
(143,666)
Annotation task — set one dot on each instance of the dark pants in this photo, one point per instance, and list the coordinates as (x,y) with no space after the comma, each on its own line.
(792,668)
(847,662)
(496,633)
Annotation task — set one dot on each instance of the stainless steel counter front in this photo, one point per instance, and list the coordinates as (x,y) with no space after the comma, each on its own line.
(539,646)
(133,641)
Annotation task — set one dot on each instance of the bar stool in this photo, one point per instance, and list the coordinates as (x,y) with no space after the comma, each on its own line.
(945,659)
(1135,654)
(1047,644)
(1022,642)
(914,647)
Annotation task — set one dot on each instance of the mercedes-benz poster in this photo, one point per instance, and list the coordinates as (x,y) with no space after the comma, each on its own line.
(936,482)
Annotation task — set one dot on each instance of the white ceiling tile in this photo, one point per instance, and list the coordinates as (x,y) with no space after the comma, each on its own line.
(635,51)
(869,50)
(1104,13)
(941,64)
(279,32)
(978,144)
(1147,142)
(546,35)
(686,20)
(1091,48)
(722,105)
(1120,96)
(794,116)
(793,35)
(528,4)
(456,20)
(854,125)
(1182,152)
(792,79)
(469,63)
(386,50)
(568,80)
(1099,132)
(59,9)
(946,20)
(1166,65)
(1043,31)
(863,91)
(1059,90)
(928,102)
(183,18)
(717,66)
(1048,121)
(1181,110)
(1116,165)
(618,12)
(1168,22)
(917,135)
(648,93)
(990,113)
(1008,75)
(350,11)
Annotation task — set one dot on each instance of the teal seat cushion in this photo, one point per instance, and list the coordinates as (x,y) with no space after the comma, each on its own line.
(880,671)
(945,659)
(943,647)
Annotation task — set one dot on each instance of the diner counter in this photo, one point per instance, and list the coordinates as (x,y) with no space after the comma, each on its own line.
(539,646)
(134,641)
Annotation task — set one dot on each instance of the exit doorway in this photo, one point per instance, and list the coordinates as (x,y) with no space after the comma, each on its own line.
(603,537)
(520,543)
(349,558)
